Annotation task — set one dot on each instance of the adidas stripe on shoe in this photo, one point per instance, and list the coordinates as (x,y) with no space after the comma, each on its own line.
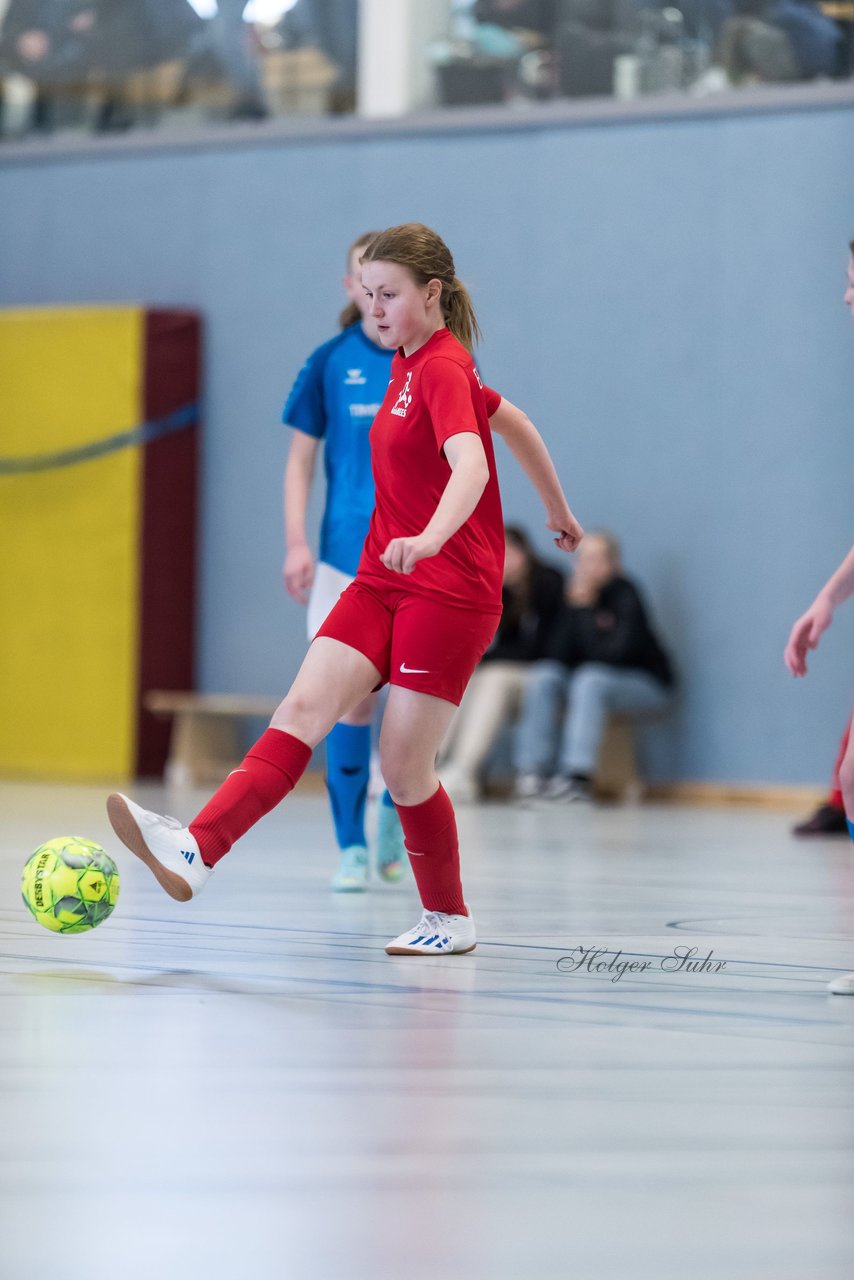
(436,934)
(166,848)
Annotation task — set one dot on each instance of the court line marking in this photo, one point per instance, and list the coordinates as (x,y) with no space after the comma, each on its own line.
(171,925)
(182,942)
(386,988)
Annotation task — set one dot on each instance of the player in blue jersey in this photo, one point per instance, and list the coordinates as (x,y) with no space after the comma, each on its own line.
(335,399)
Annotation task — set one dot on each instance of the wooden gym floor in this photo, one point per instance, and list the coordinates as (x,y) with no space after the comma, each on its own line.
(248,1086)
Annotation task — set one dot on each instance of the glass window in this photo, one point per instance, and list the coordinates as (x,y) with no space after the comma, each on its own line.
(104,66)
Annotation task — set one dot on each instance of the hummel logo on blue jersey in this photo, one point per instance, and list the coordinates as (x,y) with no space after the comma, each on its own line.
(188,854)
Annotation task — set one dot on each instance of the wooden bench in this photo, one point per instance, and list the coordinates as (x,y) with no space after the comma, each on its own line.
(616,769)
(615,776)
(205,743)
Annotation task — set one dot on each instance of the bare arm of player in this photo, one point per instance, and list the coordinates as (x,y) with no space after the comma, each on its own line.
(469,475)
(298,569)
(811,626)
(528,448)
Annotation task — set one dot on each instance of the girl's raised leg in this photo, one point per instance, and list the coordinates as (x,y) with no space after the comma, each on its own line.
(332,679)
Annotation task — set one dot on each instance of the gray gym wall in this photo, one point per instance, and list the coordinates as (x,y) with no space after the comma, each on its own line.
(663,296)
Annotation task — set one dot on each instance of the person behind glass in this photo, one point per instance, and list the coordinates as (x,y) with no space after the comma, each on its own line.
(603,657)
(421,611)
(73,48)
(335,399)
(531,598)
(779,40)
(331,26)
(50,43)
(230,40)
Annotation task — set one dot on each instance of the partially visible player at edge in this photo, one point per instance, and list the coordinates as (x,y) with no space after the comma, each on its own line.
(807,632)
(335,399)
(422,609)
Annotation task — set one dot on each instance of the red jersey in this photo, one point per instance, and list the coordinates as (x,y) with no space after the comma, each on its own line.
(433,394)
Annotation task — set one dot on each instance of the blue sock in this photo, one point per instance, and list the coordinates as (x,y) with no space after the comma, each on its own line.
(389,803)
(850,827)
(348,764)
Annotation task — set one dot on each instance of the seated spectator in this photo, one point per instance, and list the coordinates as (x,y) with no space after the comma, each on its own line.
(602,657)
(752,51)
(591,35)
(71,47)
(49,42)
(534,20)
(227,42)
(531,597)
(816,40)
(775,41)
(331,26)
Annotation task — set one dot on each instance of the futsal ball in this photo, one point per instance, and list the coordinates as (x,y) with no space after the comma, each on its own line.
(70,884)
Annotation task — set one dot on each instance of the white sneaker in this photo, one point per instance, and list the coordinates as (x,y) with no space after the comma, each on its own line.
(571,790)
(436,934)
(842,986)
(163,844)
(527,786)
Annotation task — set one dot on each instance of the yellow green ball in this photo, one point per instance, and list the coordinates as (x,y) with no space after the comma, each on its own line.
(70,884)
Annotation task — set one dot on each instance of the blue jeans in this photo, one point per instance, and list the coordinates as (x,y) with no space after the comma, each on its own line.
(564,713)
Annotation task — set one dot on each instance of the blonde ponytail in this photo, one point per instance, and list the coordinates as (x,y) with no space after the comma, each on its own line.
(459,314)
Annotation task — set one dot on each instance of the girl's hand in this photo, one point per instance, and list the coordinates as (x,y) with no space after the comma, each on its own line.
(567,527)
(806,633)
(298,572)
(402,554)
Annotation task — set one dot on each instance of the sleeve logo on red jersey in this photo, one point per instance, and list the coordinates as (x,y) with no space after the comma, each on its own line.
(477,375)
(404,400)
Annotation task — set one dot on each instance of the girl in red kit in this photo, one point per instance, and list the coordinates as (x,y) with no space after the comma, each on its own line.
(423,607)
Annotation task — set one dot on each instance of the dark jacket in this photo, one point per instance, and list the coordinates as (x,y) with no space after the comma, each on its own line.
(528,617)
(126,35)
(615,630)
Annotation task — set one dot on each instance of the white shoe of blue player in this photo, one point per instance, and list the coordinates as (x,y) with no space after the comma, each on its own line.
(352,873)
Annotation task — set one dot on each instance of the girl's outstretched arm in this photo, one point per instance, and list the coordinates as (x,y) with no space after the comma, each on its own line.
(811,626)
(528,448)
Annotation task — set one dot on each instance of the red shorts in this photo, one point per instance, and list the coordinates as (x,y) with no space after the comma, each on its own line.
(413,641)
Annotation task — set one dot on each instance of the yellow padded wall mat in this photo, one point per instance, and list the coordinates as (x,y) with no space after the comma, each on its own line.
(69,568)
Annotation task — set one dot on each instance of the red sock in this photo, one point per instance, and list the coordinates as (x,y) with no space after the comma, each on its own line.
(835,797)
(270,770)
(430,836)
